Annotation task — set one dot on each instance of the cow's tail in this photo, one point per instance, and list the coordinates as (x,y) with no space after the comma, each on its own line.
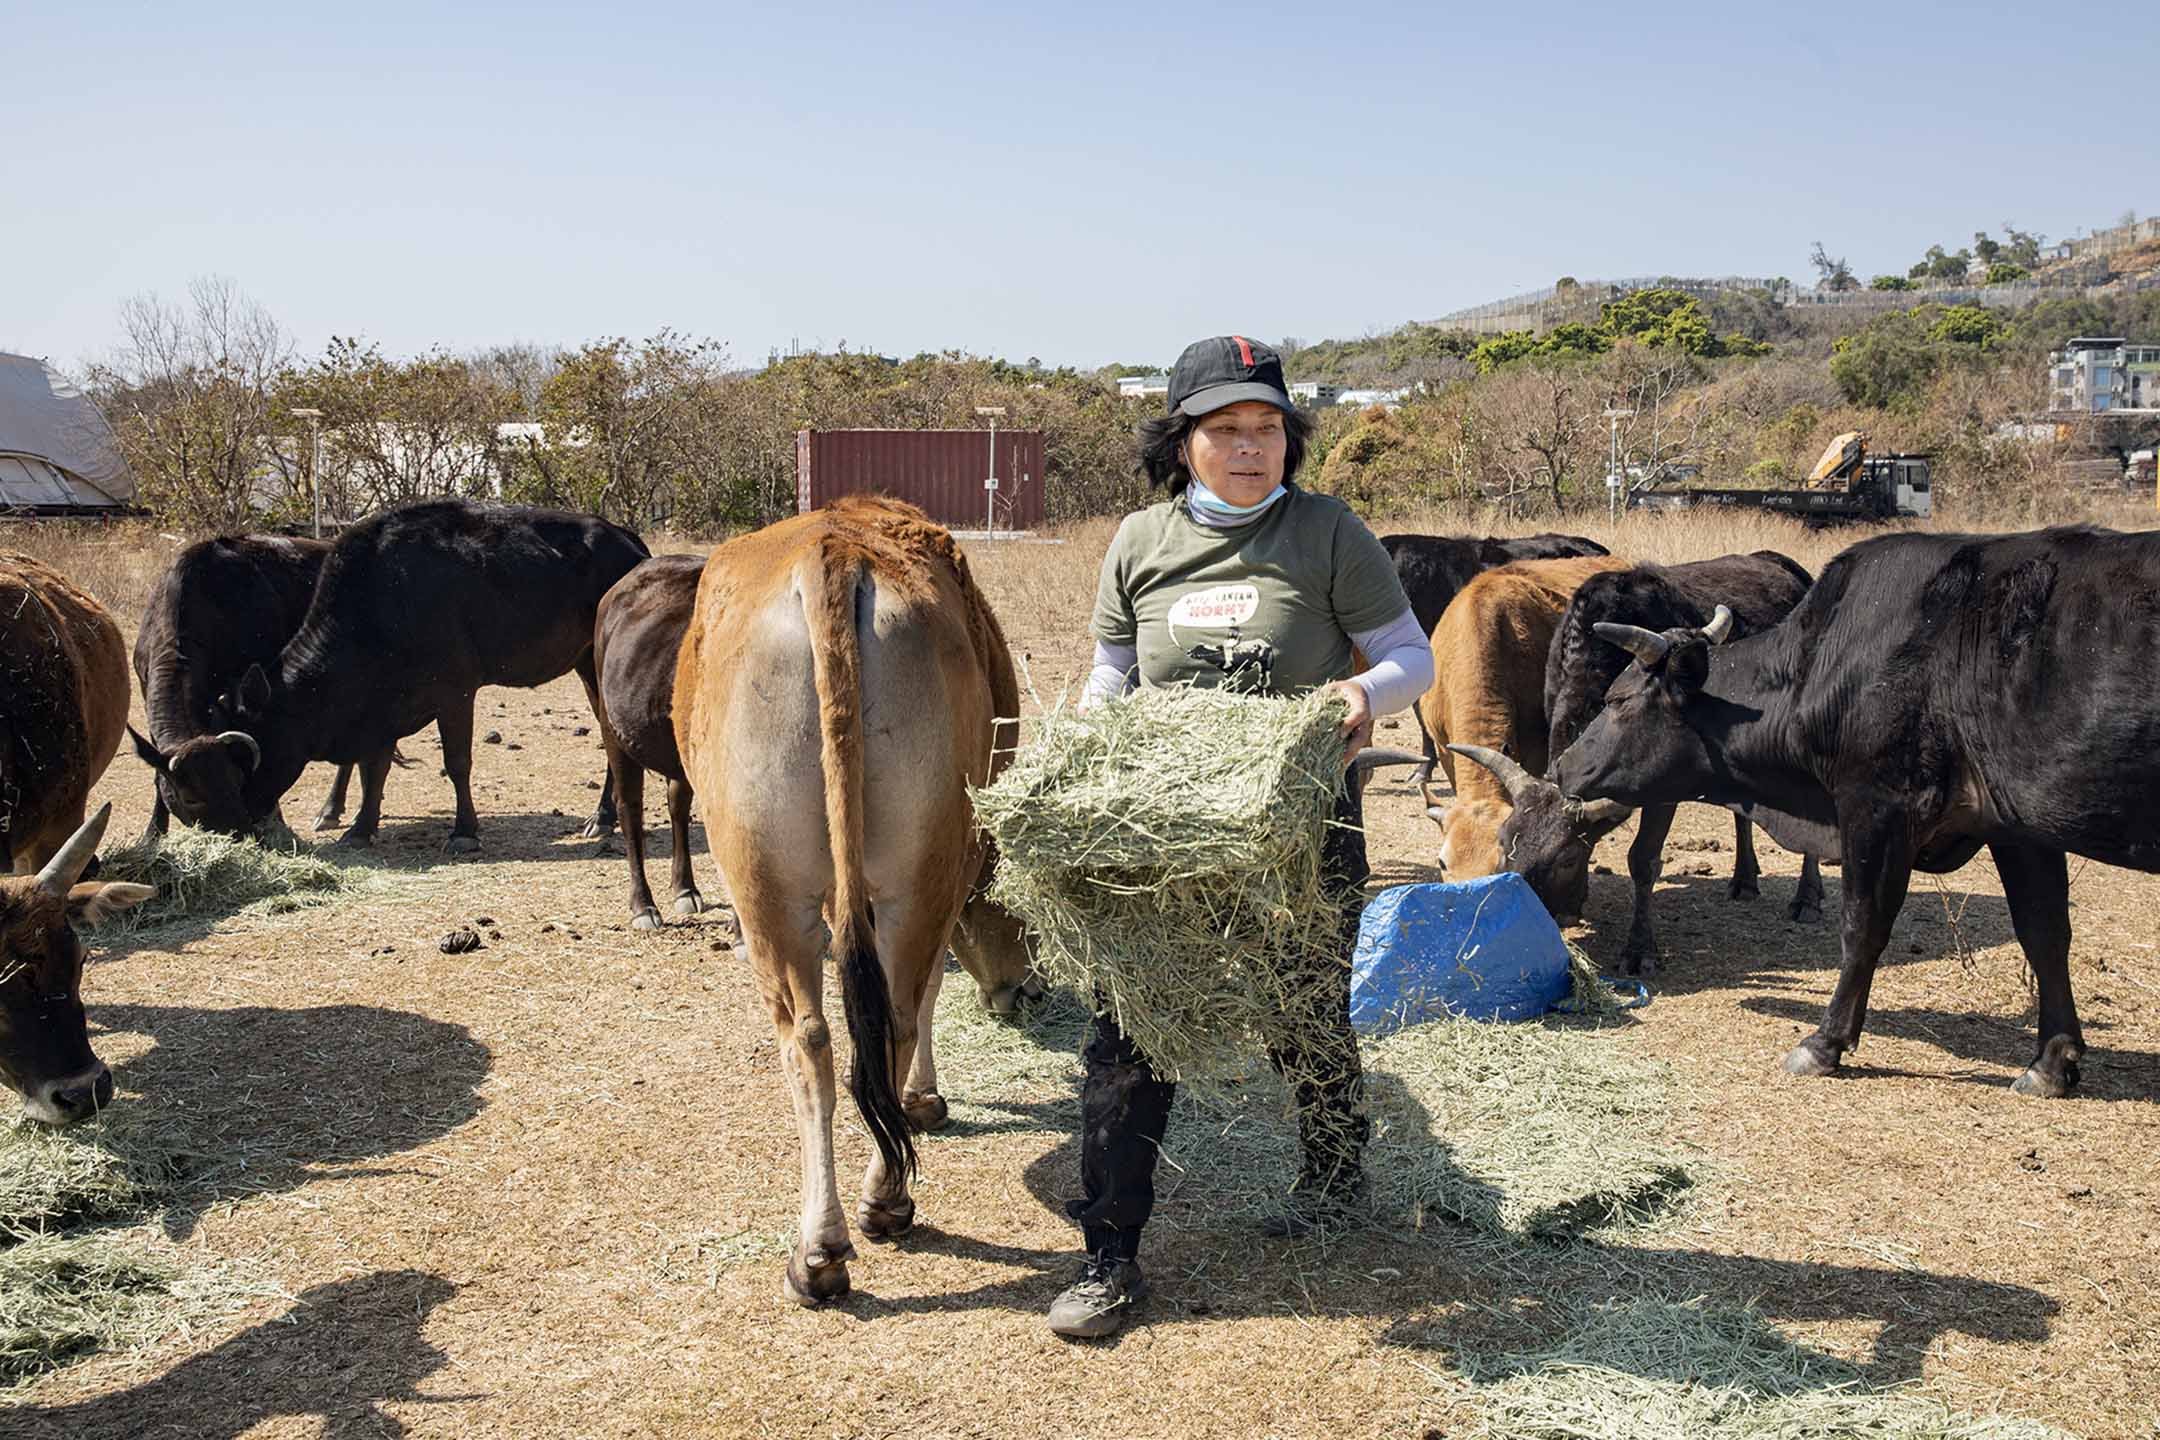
(833,589)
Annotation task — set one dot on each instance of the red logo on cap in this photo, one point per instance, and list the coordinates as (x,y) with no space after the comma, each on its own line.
(1244,349)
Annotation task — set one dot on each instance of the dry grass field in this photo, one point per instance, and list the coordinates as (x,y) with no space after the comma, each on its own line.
(543,1188)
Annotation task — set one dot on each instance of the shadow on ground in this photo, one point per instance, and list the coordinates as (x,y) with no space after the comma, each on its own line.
(2001,1041)
(340,1353)
(257,1099)
(1432,1285)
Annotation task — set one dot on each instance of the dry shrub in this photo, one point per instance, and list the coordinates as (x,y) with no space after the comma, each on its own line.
(119,562)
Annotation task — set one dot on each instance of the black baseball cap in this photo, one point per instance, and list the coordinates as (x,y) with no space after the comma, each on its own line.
(1224,370)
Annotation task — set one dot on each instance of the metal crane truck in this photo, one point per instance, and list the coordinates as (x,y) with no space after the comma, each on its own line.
(1846,485)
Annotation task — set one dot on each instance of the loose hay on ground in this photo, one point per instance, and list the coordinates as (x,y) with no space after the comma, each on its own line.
(110,1167)
(1656,1370)
(63,1298)
(1167,851)
(1550,1130)
(201,875)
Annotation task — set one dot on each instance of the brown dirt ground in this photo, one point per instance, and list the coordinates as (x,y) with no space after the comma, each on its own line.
(538,1189)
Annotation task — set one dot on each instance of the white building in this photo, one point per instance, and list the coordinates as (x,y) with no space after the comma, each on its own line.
(2104,372)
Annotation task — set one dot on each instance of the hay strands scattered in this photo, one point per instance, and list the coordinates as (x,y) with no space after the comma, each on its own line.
(201,875)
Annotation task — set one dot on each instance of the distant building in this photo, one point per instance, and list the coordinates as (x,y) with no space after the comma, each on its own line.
(2104,372)
(1140,387)
(1364,399)
(1313,394)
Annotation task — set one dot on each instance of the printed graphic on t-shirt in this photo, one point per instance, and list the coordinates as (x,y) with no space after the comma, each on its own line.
(1214,621)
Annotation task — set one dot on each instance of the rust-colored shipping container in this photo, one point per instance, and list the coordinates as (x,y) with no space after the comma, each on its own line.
(940,470)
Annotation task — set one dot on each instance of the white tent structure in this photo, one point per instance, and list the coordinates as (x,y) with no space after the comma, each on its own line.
(57,454)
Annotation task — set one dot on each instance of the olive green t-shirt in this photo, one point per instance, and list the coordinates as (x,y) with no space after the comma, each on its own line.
(1268,606)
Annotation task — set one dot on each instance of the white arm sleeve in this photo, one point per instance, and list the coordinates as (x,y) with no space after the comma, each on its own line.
(1402,664)
(1116,670)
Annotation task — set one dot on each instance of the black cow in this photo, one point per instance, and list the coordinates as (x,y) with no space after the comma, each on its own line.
(1433,568)
(1548,838)
(225,604)
(1930,695)
(417,608)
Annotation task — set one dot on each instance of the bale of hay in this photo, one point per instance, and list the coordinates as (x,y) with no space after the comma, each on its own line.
(1167,849)
(198,874)
(1656,1370)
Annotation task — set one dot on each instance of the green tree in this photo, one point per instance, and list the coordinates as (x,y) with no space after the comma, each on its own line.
(1889,362)
(1502,349)
(1892,282)
(2003,272)
(1974,325)
(1986,248)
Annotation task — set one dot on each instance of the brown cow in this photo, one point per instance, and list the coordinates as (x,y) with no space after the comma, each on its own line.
(841,683)
(63,705)
(1489,689)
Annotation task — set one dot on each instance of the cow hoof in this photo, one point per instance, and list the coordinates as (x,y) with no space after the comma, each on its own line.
(462,845)
(879,1223)
(689,903)
(1808,1058)
(353,839)
(329,820)
(1639,962)
(1804,911)
(2037,1084)
(925,1112)
(645,920)
(1744,887)
(817,1277)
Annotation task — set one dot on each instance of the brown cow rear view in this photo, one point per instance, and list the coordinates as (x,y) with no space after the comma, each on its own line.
(841,683)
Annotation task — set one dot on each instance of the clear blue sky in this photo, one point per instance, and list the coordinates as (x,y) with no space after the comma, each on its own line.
(1086,183)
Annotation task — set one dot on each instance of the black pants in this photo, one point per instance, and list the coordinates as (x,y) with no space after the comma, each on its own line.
(1125,1109)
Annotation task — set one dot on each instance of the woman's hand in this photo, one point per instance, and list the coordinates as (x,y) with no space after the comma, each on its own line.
(1357,726)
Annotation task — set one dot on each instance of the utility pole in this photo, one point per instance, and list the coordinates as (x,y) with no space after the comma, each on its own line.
(990,484)
(1614,481)
(314,470)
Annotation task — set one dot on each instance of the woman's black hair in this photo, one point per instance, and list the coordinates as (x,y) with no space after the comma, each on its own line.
(1162,448)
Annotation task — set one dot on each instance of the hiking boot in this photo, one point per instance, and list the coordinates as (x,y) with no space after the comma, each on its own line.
(1100,1301)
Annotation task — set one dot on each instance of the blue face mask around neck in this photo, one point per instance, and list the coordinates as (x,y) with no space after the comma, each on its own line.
(1210,506)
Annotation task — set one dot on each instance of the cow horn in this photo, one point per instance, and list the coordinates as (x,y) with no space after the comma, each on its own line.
(241,737)
(1512,776)
(1596,814)
(1645,645)
(1372,759)
(1719,630)
(1434,810)
(70,860)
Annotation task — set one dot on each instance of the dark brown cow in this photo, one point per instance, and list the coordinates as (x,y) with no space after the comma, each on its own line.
(63,705)
(636,635)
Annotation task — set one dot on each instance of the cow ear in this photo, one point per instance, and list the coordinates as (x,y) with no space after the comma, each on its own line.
(150,754)
(90,903)
(1687,667)
(253,695)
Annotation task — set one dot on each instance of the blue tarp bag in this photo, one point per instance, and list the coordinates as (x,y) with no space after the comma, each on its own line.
(1481,949)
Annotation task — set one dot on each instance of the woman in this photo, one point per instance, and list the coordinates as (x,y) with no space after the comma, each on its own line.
(1241,579)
